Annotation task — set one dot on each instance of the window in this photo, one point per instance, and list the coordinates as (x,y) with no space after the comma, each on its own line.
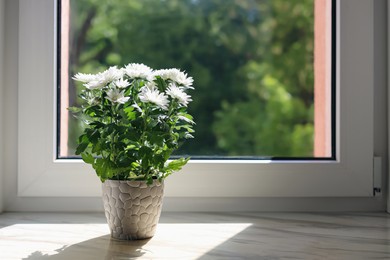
(42,174)
(262,74)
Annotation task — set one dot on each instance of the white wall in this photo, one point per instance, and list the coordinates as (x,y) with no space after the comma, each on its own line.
(9,101)
(380,95)
(2,21)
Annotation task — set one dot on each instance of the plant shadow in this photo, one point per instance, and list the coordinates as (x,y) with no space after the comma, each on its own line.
(103,247)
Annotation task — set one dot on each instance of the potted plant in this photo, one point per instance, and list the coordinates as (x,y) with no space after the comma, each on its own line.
(135,118)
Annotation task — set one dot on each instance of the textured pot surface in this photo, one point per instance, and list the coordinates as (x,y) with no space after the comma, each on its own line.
(132,208)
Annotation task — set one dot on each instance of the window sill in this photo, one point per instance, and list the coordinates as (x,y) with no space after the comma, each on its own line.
(198,235)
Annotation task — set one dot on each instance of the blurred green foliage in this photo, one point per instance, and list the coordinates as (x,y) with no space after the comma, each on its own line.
(251,60)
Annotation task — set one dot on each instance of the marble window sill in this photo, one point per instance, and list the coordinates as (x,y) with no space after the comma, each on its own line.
(200,236)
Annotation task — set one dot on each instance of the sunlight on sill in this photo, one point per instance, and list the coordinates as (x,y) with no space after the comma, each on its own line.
(92,241)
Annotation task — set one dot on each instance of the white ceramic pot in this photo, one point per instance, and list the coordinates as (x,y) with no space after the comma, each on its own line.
(132,208)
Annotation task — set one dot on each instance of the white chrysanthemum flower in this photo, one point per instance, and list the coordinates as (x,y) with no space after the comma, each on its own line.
(176,75)
(111,74)
(186,81)
(99,80)
(148,95)
(176,93)
(163,73)
(83,77)
(136,70)
(116,96)
(151,77)
(92,81)
(95,84)
(121,83)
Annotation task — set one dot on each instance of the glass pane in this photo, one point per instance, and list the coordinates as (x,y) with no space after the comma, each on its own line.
(261,68)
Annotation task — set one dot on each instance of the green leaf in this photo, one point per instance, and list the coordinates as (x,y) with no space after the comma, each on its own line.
(95,135)
(75,109)
(161,84)
(81,148)
(176,165)
(123,161)
(188,128)
(93,111)
(144,150)
(153,122)
(130,113)
(103,169)
(157,139)
(96,148)
(97,124)
(87,158)
(83,138)
(149,180)
(108,130)
(188,136)
(186,117)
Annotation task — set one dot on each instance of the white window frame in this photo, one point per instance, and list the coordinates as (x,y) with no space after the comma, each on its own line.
(40,174)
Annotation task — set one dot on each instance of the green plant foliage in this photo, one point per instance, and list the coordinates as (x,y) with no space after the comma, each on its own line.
(135,118)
